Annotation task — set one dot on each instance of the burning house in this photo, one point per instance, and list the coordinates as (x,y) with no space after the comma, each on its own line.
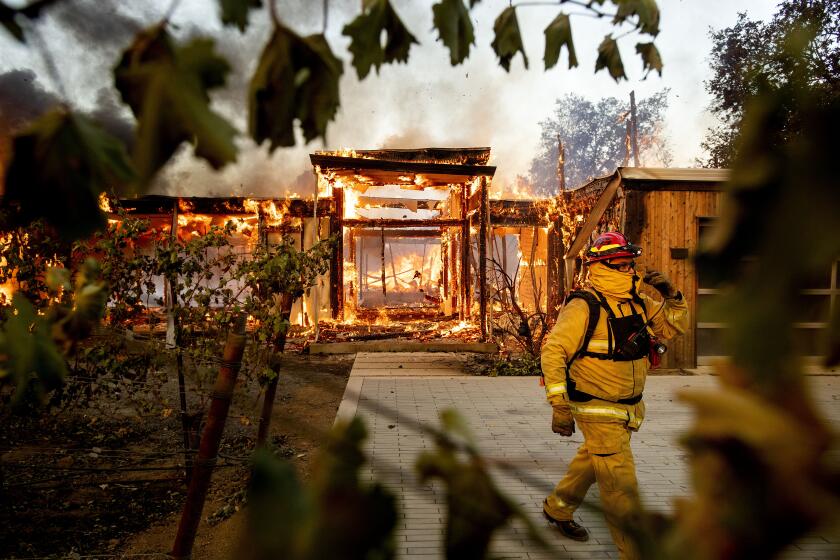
(425,251)
(412,228)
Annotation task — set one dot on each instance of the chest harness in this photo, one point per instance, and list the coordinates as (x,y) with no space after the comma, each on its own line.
(622,345)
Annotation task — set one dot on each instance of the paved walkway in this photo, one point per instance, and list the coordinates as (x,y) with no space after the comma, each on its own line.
(510,419)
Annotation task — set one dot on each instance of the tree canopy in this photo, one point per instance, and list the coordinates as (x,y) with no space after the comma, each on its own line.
(753,56)
(594,135)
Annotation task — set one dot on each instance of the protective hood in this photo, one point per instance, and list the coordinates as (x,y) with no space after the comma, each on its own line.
(613,283)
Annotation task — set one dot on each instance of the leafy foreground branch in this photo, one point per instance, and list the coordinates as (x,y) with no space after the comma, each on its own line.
(293,92)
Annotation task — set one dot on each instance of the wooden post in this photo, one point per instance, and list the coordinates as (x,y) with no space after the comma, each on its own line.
(454,292)
(262,232)
(555,272)
(337,262)
(212,436)
(444,267)
(482,259)
(382,259)
(465,256)
(354,289)
(635,129)
(628,143)
(561,164)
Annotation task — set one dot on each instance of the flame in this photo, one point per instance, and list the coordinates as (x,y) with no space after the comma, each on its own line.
(275,212)
(382,318)
(193,224)
(274,215)
(251,205)
(351,201)
(104,203)
(185,206)
(244,226)
(6,292)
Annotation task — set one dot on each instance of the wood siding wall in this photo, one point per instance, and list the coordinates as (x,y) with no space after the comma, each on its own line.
(659,220)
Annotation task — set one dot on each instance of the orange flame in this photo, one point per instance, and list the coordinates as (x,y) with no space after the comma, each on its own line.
(104,203)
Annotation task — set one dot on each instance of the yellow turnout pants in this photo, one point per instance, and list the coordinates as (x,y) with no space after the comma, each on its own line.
(605,457)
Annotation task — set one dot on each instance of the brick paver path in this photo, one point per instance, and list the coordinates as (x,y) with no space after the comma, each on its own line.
(511,420)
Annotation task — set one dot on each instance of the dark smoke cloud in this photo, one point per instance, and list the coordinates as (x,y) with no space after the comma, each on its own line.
(97,23)
(23,99)
(113,117)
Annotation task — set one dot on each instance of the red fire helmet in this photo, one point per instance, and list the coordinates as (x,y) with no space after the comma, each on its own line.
(611,245)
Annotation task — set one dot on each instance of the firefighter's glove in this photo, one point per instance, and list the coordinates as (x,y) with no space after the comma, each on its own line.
(660,283)
(561,421)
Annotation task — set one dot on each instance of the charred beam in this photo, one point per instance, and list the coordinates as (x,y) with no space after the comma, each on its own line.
(351,240)
(394,223)
(326,162)
(397,233)
(227,206)
(337,262)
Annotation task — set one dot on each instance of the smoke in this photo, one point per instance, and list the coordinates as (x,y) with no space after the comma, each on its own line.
(113,117)
(22,99)
(422,104)
(96,23)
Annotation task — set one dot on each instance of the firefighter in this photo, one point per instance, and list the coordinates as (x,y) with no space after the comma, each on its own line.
(594,363)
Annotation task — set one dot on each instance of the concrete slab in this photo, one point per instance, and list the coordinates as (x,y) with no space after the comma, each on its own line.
(510,419)
(408,364)
(401,346)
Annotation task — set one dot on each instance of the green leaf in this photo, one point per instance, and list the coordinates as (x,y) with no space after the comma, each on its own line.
(455,423)
(333,514)
(58,278)
(646,10)
(508,40)
(452,20)
(26,349)
(610,58)
(365,32)
(235,12)
(89,300)
(297,78)
(557,34)
(650,57)
(60,166)
(476,508)
(166,87)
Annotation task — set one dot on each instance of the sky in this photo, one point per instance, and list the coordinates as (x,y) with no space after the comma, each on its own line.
(426,102)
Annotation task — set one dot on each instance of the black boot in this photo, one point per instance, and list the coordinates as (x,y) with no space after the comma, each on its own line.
(569,529)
